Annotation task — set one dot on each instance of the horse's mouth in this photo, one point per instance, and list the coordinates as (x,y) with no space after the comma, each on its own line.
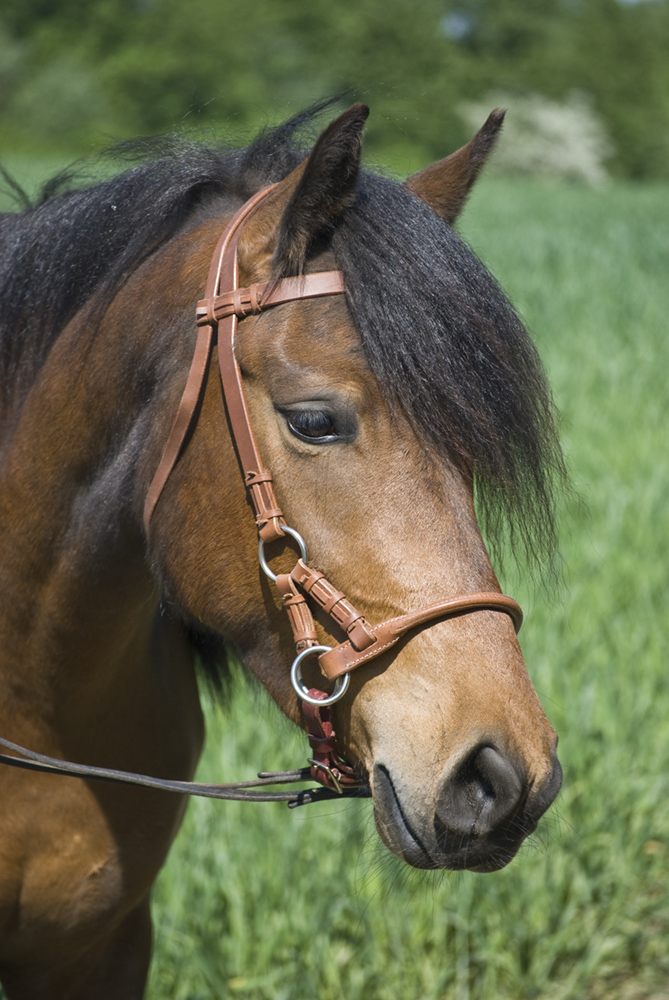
(447,850)
(393,826)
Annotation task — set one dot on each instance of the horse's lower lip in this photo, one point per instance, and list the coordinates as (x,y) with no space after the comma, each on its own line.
(392,823)
(455,854)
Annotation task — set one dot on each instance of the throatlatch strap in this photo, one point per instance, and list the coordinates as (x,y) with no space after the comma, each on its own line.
(188,405)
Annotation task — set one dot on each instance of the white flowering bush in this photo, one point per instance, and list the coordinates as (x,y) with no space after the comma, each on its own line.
(546,138)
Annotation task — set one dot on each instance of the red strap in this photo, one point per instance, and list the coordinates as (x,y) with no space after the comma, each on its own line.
(326,765)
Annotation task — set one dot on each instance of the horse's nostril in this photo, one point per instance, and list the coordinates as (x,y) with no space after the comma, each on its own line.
(481,793)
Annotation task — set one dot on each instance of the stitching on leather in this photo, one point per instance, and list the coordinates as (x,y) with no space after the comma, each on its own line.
(369,655)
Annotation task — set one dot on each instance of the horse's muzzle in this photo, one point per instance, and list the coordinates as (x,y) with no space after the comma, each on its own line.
(483,811)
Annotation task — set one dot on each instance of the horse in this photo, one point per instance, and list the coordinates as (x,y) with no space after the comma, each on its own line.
(382,406)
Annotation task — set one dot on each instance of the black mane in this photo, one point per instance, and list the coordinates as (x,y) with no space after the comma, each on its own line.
(53,257)
(439,334)
(446,344)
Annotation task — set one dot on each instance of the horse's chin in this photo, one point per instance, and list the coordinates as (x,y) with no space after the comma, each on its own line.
(439,848)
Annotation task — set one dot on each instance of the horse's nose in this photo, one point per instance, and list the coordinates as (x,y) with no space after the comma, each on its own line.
(481,793)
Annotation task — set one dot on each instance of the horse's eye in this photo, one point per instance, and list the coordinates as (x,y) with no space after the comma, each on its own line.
(315,426)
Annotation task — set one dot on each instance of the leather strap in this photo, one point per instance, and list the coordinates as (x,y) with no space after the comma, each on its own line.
(218,314)
(335,604)
(224,273)
(245,791)
(190,400)
(327,767)
(243,302)
(345,657)
(299,613)
(193,391)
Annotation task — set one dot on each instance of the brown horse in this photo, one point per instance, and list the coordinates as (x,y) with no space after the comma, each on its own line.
(377,411)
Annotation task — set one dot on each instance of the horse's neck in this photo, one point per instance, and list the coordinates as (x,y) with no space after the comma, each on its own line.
(78,599)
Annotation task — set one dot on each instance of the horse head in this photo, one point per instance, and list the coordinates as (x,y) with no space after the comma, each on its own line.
(376,412)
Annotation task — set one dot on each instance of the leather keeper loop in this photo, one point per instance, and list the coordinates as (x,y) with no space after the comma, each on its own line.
(303,628)
(271,530)
(335,604)
(304,576)
(327,745)
(353,623)
(299,615)
(269,515)
(258,477)
(264,502)
(360,634)
(331,601)
(205,314)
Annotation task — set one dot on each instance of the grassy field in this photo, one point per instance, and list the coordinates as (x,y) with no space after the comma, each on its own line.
(260,903)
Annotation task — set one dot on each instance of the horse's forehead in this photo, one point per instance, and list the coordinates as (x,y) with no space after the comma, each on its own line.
(314,338)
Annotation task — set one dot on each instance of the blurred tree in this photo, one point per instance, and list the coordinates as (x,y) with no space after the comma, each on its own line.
(151,65)
(621,55)
(12,61)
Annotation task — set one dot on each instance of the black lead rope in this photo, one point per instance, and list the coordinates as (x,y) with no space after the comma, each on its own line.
(242,791)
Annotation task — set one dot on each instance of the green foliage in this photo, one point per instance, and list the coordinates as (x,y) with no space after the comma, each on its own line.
(12,54)
(79,104)
(153,65)
(261,903)
(543,138)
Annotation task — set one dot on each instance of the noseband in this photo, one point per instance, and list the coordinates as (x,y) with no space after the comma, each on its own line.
(217,316)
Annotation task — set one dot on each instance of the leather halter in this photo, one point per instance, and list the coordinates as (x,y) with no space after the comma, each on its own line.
(217,316)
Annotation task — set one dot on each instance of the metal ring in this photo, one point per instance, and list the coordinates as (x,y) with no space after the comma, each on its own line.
(261,551)
(341,684)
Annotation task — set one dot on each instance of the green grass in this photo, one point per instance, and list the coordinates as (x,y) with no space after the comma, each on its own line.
(30,172)
(260,903)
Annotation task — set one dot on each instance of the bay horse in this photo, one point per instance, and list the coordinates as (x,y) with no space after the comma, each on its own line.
(380,404)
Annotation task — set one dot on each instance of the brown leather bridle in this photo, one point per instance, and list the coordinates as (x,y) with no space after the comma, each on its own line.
(217,316)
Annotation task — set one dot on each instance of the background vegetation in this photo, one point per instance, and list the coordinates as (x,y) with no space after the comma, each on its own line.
(260,903)
(75,72)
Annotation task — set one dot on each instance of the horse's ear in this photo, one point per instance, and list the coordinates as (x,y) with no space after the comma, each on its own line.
(308,200)
(325,188)
(445,185)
